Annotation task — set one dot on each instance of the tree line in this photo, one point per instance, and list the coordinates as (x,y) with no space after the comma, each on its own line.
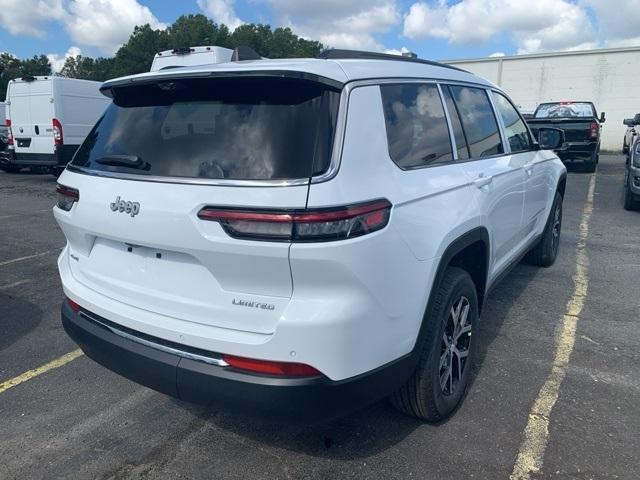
(136,55)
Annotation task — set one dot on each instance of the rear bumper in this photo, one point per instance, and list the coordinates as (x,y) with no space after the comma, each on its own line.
(61,156)
(572,150)
(634,180)
(307,400)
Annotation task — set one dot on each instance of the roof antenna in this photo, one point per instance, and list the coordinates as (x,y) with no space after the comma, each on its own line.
(244,53)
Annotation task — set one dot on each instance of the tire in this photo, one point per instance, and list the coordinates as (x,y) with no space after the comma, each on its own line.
(591,164)
(546,250)
(440,380)
(630,201)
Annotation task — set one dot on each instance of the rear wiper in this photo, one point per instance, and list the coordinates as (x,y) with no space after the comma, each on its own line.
(129,161)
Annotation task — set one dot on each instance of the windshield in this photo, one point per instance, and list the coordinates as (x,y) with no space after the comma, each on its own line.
(565,110)
(231,128)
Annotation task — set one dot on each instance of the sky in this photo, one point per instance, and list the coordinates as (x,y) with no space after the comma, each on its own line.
(434,29)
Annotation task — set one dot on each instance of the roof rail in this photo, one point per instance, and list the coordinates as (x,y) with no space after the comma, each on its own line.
(244,53)
(343,54)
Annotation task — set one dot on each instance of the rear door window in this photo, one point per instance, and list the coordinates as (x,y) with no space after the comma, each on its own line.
(515,129)
(227,128)
(479,122)
(417,131)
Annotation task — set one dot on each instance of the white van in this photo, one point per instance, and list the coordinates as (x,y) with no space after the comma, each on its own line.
(190,56)
(49,117)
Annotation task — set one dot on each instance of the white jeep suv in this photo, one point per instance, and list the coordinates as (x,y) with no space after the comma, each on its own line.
(298,238)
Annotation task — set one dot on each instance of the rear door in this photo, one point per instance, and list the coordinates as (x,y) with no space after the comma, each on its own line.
(536,167)
(31,116)
(161,154)
(497,176)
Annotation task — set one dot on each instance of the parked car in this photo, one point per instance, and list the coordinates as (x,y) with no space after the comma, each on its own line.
(4,140)
(48,119)
(299,238)
(581,126)
(631,133)
(632,177)
(190,56)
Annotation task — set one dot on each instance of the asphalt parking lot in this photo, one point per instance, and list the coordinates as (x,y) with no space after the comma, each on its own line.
(75,419)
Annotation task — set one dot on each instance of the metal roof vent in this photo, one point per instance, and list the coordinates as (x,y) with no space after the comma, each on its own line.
(244,53)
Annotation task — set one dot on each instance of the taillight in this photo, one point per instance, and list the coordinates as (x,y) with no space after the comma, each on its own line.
(57,132)
(284,369)
(326,224)
(67,196)
(594,128)
(7,122)
(73,305)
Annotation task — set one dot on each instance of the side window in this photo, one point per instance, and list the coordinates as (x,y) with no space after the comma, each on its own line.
(515,129)
(479,122)
(454,117)
(417,131)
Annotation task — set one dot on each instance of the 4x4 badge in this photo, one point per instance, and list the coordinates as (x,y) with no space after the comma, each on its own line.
(132,208)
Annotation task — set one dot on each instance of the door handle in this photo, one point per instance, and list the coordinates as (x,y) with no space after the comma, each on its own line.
(482,181)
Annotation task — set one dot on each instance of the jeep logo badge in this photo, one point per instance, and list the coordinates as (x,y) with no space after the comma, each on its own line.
(132,208)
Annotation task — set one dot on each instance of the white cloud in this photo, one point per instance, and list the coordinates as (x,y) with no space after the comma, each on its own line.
(497,55)
(27,17)
(57,61)
(107,24)
(395,51)
(535,26)
(221,11)
(339,23)
(618,24)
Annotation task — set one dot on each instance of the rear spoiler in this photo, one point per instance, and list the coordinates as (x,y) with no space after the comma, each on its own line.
(109,86)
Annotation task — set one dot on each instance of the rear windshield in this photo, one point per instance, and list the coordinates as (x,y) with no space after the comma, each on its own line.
(230,128)
(565,110)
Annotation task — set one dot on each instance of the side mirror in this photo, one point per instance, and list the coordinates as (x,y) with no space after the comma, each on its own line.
(550,138)
(629,122)
(602,118)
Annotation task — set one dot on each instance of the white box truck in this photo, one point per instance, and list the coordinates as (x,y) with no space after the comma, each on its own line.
(190,56)
(48,118)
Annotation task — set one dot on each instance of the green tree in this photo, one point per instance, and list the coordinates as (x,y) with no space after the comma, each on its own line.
(195,30)
(136,55)
(87,68)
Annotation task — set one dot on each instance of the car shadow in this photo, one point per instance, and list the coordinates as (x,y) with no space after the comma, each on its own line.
(19,317)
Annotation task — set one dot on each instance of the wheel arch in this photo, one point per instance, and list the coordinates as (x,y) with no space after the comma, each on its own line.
(463,252)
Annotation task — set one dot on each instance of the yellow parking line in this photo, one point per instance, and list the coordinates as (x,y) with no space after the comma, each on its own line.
(536,434)
(28,375)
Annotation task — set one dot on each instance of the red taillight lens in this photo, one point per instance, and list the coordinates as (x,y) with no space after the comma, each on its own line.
(7,123)
(594,128)
(325,224)
(74,306)
(284,369)
(67,196)
(57,132)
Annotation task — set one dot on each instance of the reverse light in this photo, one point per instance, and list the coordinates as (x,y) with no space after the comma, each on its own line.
(7,123)
(284,369)
(317,225)
(67,196)
(593,130)
(57,132)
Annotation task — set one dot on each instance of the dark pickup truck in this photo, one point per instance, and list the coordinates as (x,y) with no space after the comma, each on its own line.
(581,126)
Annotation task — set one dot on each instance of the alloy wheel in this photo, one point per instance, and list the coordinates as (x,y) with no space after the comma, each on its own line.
(454,348)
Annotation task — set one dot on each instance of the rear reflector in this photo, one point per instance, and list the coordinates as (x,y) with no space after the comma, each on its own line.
(7,123)
(73,305)
(57,132)
(67,196)
(317,225)
(284,369)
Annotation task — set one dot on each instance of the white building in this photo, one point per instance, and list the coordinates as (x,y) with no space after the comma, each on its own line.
(607,77)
